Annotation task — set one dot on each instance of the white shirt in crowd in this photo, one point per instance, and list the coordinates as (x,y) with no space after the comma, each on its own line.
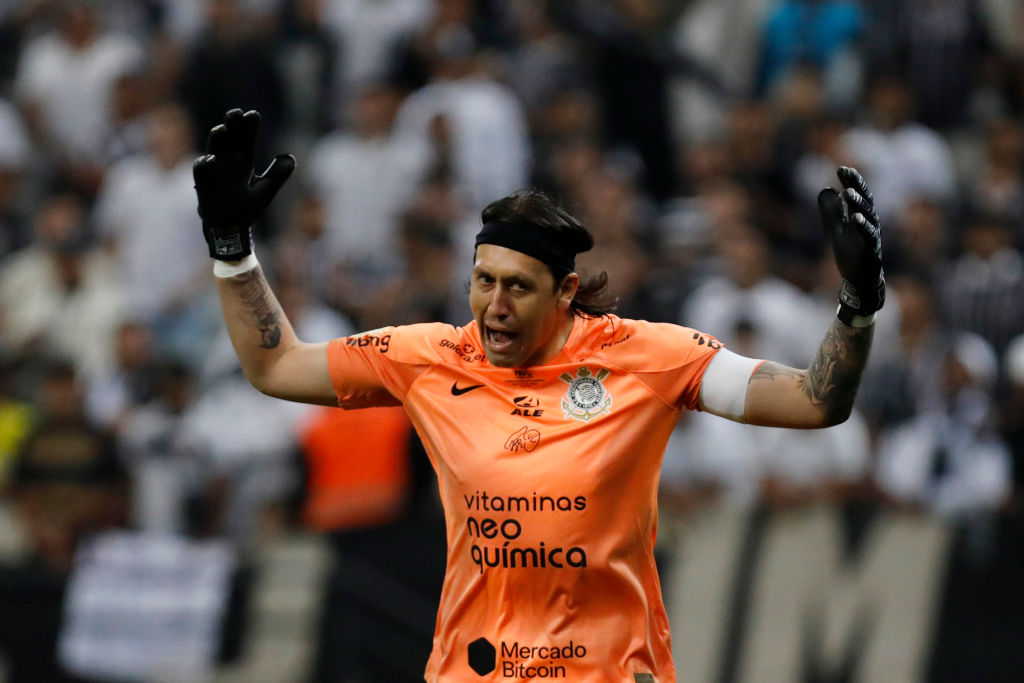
(151,213)
(36,309)
(490,149)
(365,184)
(734,458)
(73,87)
(785,321)
(367,33)
(912,160)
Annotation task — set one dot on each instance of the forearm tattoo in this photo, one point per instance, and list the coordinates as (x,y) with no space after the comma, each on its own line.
(262,310)
(832,380)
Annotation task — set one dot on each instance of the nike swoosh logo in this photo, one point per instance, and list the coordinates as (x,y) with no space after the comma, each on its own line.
(459,391)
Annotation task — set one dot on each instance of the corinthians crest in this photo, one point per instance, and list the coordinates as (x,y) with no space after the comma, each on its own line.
(586,397)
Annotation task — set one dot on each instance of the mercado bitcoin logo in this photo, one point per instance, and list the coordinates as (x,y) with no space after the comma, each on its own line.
(482,656)
(586,397)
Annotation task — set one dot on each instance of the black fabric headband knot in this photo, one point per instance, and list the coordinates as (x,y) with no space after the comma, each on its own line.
(543,244)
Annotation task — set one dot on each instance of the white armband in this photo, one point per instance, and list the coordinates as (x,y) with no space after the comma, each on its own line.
(859,320)
(723,389)
(225,269)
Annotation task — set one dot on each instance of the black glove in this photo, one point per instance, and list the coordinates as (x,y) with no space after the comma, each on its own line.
(231,196)
(852,227)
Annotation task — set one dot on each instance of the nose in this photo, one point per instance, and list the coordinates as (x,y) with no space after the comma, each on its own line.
(499,306)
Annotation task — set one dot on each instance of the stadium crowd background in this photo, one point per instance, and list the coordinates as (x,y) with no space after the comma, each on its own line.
(690,137)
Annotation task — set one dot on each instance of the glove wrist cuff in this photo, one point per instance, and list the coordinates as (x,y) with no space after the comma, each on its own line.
(229,244)
(225,269)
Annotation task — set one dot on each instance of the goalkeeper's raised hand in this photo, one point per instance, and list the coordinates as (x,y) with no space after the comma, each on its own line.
(852,228)
(231,194)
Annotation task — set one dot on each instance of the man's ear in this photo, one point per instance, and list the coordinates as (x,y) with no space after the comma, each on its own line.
(567,289)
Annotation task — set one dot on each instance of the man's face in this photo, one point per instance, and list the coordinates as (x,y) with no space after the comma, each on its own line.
(523,318)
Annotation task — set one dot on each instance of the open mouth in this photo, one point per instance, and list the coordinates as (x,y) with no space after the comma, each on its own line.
(499,340)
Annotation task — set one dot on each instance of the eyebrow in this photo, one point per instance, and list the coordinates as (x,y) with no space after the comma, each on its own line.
(507,279)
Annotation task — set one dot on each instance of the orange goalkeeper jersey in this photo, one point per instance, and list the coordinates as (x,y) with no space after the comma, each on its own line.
(548,476)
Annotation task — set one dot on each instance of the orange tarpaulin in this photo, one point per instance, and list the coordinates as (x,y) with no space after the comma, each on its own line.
(358,464)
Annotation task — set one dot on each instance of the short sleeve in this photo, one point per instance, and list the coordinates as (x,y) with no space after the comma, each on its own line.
(669,359)
(376,368)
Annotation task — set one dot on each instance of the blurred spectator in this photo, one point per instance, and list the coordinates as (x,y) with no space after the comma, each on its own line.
(982,290)
(721,36)
(306,54)
(413,61)
(64,83)
(948,458)
(826,148)
(425,283)
(474,122)
(567,162)
(146,214)
(437,203)
(163,461)
(1012,414)
(751,141)
(17,419)
(367,35)
(425,290)
(709,459)
(825,33)
(747,297)
(232,64)
(931,405)
(622,219)
(996,186)
(799,104)
(364,175)
(299,249)
(17,21)
(66,480)
(632,61)
(902,157)
(131,102)
(60,295)
(544,61)
(820,466)
(903,381)
(250,476)
(66,485)
(128,382)
(14,162)
(937,48)
(919,240)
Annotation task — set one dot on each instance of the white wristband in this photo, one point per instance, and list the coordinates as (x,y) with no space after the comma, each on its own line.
(225,269)
(861,320)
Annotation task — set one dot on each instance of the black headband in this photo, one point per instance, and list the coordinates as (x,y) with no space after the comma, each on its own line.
(542,244)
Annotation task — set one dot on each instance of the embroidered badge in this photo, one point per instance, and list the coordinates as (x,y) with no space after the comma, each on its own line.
(586,397)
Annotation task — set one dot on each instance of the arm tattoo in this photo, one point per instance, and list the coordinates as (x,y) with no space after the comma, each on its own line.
(834,375)
(832,380)
(263,310)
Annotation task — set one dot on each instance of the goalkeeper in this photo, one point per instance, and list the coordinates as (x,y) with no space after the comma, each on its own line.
(545,417)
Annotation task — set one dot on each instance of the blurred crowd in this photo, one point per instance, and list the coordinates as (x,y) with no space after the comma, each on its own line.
(691,137)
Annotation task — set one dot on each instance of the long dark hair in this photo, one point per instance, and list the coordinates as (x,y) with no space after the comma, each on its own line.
(539,209)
